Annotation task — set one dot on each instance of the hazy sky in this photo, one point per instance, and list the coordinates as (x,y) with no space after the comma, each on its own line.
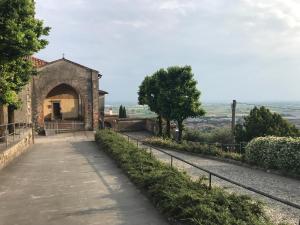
(247,50)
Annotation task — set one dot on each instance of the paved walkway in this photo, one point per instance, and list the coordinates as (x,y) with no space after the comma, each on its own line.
(275,185)
(66,180)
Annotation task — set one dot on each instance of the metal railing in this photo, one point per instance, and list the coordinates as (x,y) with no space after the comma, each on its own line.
(62,126)
(211,174)
(12,132)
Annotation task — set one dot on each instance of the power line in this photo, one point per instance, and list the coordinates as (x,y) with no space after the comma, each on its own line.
(269,106)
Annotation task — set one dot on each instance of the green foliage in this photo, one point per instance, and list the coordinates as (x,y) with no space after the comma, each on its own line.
(13,77)
(185,95)
(122,112)
(262,122)
(20,36)
(281,153)
(148,95)
(175,194)
(172,94)
(20,31)
(218,135)
(194,147)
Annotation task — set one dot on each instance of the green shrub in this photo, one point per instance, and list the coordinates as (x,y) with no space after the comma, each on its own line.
(261,122)
(194,147)
(280,153)
(219,135)
(175,194)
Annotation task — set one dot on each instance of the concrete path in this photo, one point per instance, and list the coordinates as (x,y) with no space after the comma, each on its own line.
(66,180)
(279,186)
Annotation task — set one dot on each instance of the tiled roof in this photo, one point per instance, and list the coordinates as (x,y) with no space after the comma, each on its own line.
(38,63)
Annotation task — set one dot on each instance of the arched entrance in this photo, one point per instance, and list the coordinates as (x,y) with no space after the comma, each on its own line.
(63,103)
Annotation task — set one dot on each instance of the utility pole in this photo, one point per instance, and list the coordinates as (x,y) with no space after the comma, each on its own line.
(233,107)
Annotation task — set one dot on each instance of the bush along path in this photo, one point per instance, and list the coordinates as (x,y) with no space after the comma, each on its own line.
(278,186)
(175,194)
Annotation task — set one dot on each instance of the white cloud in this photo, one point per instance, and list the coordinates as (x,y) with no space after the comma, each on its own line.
(133,23)
(219,38)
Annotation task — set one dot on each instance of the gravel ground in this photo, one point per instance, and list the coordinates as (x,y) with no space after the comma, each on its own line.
(279,186)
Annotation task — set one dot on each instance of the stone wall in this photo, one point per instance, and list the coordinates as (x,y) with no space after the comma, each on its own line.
(135,124)
(8,155)
(24,113)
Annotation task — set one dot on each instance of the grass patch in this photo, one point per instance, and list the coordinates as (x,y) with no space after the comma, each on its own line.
(175,194)
(194,147)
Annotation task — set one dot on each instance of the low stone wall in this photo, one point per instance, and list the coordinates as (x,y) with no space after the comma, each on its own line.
(8,155)
(123,125)
(135,124)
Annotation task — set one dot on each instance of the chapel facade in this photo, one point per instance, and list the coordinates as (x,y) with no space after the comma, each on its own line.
(63,90)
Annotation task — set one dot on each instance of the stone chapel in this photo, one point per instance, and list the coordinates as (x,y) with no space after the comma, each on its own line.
(63,90)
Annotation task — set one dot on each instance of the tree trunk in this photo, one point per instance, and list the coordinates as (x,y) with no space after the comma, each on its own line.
(168,128)
(180,130)
(159,125)
(11,118)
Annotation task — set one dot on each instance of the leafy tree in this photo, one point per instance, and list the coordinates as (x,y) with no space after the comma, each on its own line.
(184,96)
(165,98)
(14,76)
(20,36)
(20,31)
(148,95)
(262,122)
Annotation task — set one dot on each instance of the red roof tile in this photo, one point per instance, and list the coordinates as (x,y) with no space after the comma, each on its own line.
(37,62)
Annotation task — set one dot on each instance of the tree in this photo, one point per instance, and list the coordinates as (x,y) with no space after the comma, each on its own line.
(148,95)
(122,112)
(184,95)
(20,36)
(165,84)
(262,122)
(20,31)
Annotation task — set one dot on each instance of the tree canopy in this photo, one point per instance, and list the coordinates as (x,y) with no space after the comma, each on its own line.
(20,31)
(172,94)
(185,97)
(148,95)
(262,122)
(20,36)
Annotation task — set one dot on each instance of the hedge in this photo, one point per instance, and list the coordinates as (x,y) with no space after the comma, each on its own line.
(280,153)
(194,147)
(175,194)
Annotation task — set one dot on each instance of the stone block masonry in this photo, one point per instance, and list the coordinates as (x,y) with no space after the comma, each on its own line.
(8,155)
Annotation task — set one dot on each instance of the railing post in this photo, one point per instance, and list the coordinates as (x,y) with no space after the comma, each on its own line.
(14,132)
(6,136)
(32,130)
(137,143)
(128,138)
(171,161)
(209,180)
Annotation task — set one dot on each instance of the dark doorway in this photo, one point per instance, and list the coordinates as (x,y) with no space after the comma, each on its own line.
(56,111)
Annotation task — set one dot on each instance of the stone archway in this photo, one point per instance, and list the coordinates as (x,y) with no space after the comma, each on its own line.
(84,81)
(63,103)
(54,90)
